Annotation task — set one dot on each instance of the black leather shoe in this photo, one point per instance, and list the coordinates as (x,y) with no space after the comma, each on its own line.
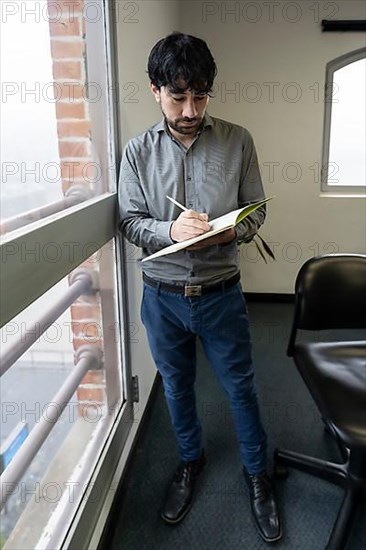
(178,500)
(264,507)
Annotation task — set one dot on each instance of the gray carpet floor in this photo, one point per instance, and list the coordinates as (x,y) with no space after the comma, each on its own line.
(220,518)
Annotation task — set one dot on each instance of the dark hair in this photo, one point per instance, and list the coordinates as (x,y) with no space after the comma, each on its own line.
(182,56)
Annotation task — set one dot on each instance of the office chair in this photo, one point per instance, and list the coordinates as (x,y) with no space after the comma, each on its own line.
(330,293)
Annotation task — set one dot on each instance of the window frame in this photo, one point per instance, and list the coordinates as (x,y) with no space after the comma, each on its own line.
(331,68)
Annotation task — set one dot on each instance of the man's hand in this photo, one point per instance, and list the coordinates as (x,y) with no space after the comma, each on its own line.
(189,224)
(221,238)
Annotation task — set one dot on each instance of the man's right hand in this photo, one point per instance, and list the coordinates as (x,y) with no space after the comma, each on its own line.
(189,224)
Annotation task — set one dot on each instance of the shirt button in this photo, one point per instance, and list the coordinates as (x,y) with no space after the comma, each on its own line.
(189,178)
(190,205)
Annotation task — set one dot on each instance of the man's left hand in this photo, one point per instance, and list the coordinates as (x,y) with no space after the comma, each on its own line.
(221,238)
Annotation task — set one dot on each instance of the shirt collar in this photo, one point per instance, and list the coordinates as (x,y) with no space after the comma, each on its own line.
(207,121)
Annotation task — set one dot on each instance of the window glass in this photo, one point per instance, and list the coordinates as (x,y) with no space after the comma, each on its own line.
(346,101)
(55,478)
(347,135)
(29,145)
(48,142)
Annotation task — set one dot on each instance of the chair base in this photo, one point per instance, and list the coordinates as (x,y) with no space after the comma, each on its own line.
(347,475)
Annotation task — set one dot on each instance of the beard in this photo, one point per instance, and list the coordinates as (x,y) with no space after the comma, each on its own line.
(184,126)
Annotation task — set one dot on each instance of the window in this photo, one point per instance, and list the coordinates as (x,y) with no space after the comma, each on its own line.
(66,389)
(344,146)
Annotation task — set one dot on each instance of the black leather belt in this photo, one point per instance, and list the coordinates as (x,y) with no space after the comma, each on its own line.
(192,290)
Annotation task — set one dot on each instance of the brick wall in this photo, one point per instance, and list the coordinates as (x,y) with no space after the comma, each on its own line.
(67,35)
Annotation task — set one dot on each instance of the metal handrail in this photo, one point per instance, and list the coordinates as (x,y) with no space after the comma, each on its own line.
(88,357)
(82,282)
(74,195)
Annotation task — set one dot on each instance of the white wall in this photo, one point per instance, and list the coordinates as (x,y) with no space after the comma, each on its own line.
(147,22)
(140,26)
(274,50)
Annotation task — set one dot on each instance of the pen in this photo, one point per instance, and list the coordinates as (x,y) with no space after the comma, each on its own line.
(176,203)
(180,205)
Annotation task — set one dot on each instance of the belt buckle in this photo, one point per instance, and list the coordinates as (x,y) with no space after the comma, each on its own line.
(192,290)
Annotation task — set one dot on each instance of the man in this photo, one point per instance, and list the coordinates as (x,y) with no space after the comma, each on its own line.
(211,167)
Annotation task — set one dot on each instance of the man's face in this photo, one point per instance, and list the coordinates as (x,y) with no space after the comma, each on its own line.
(183,110)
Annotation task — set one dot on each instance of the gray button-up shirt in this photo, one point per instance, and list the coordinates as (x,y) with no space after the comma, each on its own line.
(218,173)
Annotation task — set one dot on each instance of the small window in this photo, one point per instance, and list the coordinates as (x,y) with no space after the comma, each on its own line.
(344,147)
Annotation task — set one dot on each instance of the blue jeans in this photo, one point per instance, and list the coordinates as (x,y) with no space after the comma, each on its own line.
(220,320)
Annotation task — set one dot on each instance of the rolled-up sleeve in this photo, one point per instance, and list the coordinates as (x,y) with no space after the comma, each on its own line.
(136,223)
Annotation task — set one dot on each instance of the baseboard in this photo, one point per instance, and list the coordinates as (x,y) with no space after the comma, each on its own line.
(113,517)
(271,297)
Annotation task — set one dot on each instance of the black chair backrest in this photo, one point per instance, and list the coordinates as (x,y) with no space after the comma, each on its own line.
(330,293)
